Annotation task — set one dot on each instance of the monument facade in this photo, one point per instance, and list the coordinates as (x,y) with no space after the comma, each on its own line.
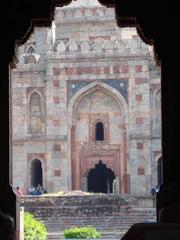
(86,107)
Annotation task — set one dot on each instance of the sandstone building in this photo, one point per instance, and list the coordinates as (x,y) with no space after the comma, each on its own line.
(86,107)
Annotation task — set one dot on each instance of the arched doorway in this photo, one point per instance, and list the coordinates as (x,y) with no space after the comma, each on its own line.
(101,179)
(36,173)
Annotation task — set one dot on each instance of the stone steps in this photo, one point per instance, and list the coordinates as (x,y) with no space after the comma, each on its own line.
(110,227)
(106,222)
(105,236)
(112,215)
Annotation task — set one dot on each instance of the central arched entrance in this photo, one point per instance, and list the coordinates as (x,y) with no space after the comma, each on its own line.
(36,173)
(101,179)
(96,113)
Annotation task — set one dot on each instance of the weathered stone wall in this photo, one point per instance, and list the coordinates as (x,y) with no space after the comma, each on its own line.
(74,206)
(85,71)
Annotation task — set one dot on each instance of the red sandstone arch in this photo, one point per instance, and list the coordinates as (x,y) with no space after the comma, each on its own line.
(82,159)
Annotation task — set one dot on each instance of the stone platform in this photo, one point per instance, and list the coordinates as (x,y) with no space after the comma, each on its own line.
(111,214)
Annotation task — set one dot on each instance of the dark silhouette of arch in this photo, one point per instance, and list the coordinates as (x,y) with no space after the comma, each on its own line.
(99,130)
(101,179)
(36,173)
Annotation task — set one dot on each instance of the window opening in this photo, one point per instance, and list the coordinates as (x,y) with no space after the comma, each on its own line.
(99,129)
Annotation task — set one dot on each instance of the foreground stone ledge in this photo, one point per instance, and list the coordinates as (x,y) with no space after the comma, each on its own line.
(153,231)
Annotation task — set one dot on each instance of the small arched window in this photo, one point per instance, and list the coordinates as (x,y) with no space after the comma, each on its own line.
(99,131)
(30,57)
(31,50)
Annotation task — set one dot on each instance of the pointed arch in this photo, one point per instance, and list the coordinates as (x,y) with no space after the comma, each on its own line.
(35,112)
(30,56)
(91,88)
(75,156)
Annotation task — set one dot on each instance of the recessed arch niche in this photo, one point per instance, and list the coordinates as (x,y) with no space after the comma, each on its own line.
(97,102)
(36,173)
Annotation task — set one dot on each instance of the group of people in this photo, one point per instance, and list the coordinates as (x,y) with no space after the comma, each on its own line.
(32,190)
(38,190)
(155,190)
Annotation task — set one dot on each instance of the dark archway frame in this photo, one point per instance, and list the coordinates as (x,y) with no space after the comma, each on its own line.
(156,24)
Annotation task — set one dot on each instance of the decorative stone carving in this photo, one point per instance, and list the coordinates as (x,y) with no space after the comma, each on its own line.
(73,46)
(84,47)
(96,47)
(35,121)
(120,45)
(100,12)
(69,14)
(61,47)
(59,14)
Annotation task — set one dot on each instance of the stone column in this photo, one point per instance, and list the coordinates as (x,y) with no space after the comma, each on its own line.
(20,223)
(116,185)
(85,186)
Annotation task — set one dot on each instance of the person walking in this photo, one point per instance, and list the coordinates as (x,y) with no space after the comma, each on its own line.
(19,192)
